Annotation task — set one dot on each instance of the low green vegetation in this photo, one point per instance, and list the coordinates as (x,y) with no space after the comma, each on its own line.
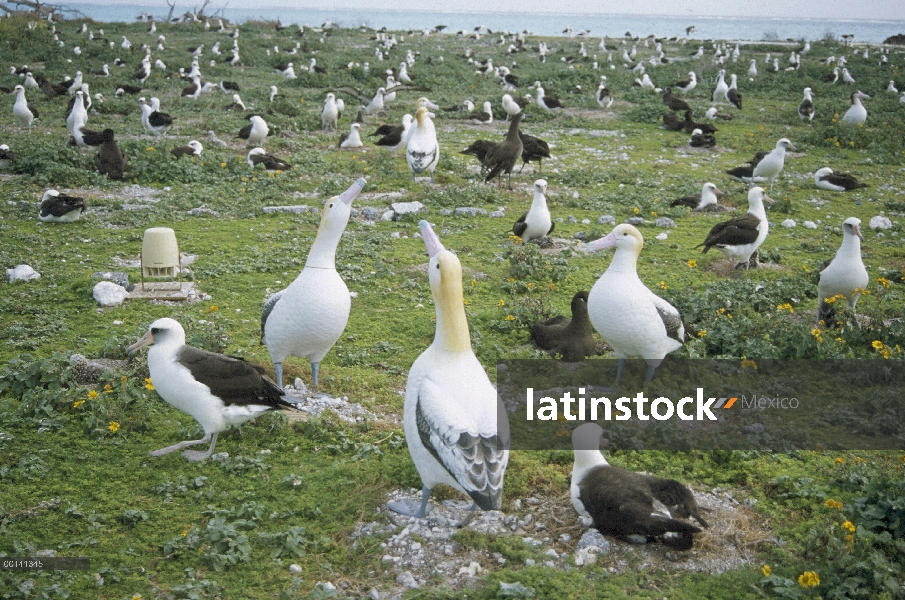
(74,470)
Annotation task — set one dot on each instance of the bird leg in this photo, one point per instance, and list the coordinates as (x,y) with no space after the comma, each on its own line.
(195,455)
(406,507)
(650,373)
(182,445)
(619,365)
(315,368)
(278,368)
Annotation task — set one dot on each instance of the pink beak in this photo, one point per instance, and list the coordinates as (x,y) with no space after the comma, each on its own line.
(607,241)
(353,191)
(431,241)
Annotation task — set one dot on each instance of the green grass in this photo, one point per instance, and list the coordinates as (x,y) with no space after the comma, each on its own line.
(161,527)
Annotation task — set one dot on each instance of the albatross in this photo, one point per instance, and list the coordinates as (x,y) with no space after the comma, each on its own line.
(827,179)
(217,391)
(24,113)
(536,223)
(573,339)
(856,113)
(765,168)
(502,158)
(307,318)
(706,198)
(845,275)
(60,208)
(740,237)
(456,431)
(422,152)
(632,319)
(628,504)
(806,108)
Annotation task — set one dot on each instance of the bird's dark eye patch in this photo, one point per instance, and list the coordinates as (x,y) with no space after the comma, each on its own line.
(330,206)
(438,266)
(155,330)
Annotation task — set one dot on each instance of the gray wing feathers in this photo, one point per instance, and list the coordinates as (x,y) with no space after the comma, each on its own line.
(268,308)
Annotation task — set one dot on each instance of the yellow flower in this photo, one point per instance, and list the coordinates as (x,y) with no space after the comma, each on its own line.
(830,503)
(270,174)
(766,570)
(245,179)
(702,333)
(148,384)
(877,344)
(748,363)
(509,318)
(466,301)
(654,214)
(840,340)
(279,171)
(552,286)
(785,306)
(212,308)
(516,239)
(692,263)
(124,379)
(636,210)
(185,531)
(848,526)
(530,286)
(502,302)
(815,332)
(663,285)
(223,164)
(809,579)
(830,300)
(92,395)
(839,461)
(136,597)
(108,389)
(473,282)
(77,403)
(883,281)
(149,149)
(850,539)
(114,426)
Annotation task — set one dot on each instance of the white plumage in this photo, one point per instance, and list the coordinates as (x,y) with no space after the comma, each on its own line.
(308,317)
(353,138)
(186,377)
(21,110)
(845,275)
(856,113)
(330,113)
(770,167)
(376,104)
(454,427)
(721,91)
(806,108)
(632,319)
(422,150)
(536,223)
(258,132)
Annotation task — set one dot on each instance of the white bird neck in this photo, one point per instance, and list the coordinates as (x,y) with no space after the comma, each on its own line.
(625,260)
(851,246)
(539,202)
(586,460)
(323,250)
(757,209)
(452,333)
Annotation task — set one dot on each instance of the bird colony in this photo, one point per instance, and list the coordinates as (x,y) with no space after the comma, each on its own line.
(404,209)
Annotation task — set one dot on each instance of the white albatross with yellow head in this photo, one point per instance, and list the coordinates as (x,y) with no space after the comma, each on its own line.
(632,319)
(456,430)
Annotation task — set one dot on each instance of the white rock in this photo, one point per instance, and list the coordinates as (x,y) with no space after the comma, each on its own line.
(406,579)
(472,569)
(789,223)
(108,293)
(810,225)
(878,222)
(294,568)
(662,235)
(22,273)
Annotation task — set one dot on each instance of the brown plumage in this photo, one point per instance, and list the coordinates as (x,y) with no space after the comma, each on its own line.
(672,122)
(533,149)
(674,103)
(109,159)
(479,149)
(747,171)
(573,338)
(502,159)
(690,124)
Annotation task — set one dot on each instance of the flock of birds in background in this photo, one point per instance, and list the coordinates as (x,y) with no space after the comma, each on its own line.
(450,406)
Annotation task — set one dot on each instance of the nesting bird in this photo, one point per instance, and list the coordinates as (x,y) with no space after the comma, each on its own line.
(627,504)
(806,108)
(307,318)
(257,156)
(193,148)
(827,179)
(603,95)
(701,201)
(632,319)
(351,139)
(739,238)
(456,431)
(548,103)
(573,339)
(699,139)
(7,156)
(217,391)
(60,208)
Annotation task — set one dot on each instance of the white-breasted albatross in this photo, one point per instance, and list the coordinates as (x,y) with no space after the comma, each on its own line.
(740,237)
(845,275)
(216,390)
(457,432)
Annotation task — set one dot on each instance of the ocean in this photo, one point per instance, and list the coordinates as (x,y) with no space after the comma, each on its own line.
(722,28)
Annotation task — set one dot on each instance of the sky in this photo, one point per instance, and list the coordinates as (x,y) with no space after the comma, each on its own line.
(831,10)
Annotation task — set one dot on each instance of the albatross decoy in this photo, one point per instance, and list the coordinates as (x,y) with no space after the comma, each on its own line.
(628,504)
(307,318)
(632,319)
(456,431)
(740,237)
(422,152)
(216,390)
